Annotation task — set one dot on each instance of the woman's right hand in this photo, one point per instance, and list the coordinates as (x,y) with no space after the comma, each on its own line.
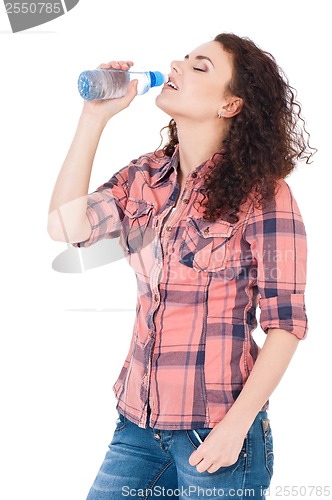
(106,108)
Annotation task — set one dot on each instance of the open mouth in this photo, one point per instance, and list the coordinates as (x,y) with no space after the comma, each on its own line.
(171,84)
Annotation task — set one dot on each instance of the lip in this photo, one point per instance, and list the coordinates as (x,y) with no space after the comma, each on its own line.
(167,87)
(171,79)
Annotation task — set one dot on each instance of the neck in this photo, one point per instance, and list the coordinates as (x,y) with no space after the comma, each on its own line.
(198,143)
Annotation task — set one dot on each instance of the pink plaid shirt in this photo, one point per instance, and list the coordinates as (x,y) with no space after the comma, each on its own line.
(199,284)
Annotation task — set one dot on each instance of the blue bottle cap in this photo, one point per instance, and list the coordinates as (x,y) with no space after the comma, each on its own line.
(157,78)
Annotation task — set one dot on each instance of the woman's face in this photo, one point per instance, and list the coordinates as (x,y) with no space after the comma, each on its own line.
(200,79)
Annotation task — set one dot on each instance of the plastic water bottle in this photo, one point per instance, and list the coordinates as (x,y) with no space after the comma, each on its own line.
(112,83)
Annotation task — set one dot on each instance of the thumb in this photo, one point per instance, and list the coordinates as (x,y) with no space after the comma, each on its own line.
(131,91)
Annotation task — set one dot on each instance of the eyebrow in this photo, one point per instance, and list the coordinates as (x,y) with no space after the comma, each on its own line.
(200,58)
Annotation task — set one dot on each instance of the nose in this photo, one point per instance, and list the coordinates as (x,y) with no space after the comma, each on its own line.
(175,65)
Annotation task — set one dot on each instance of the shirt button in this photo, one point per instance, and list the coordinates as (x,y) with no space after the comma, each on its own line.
(194,174)
(156,297)
(186,201)
(168,228)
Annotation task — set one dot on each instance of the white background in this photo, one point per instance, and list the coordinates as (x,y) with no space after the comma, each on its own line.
(64,337)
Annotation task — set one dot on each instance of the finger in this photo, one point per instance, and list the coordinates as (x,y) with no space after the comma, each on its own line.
(203,465)
(196,456)
(111,64)
(212,468)
(124,65)
(131,92)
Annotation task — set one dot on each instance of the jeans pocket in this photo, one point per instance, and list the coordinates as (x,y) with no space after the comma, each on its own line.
(120,422)
(268,445)
(197,436)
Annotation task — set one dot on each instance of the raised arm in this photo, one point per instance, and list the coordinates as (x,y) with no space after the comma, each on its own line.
(67,217)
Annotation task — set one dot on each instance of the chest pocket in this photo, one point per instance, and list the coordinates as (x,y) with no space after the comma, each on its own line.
(204,245)
(135,223)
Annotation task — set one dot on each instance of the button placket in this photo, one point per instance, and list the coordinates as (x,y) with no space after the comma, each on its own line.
(154,283)
(155,275)
(174,217)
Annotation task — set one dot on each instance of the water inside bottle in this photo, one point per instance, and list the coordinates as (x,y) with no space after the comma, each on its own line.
(103,84)
(114,84)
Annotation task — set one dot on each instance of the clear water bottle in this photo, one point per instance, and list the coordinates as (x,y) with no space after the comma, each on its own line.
(112,83)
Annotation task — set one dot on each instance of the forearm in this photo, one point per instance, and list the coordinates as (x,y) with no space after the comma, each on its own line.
(73,179)
(266,374)
(69,199)
(71,188)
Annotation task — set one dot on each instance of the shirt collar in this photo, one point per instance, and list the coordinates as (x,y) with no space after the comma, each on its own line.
(173,161)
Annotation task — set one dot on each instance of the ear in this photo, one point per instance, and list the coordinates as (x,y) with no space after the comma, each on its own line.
(232,108)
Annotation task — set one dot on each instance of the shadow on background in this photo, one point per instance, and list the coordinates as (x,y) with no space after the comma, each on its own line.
(78,260)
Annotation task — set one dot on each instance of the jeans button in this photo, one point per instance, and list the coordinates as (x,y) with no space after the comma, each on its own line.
(157,436)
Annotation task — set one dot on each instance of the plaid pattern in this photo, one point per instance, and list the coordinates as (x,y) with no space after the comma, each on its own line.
(199,284)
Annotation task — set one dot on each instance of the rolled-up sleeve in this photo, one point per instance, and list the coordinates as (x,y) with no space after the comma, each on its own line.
(105,208)
(278,246)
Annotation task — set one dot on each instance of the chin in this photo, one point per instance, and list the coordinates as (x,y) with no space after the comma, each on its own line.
(163,103)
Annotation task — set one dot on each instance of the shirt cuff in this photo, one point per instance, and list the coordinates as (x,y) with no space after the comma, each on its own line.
(103,218)
(93,219)
(286,312)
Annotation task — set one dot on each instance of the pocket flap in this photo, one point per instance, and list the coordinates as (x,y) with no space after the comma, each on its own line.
(209,229)
(136,208)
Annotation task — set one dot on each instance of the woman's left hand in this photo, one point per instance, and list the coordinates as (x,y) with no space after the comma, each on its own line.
(220,448)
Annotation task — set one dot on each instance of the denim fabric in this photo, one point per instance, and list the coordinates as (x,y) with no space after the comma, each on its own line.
(152,463)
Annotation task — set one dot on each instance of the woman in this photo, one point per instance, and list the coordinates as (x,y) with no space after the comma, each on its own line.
(212,230)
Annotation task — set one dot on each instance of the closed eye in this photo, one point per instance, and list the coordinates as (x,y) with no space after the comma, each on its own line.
(199,69)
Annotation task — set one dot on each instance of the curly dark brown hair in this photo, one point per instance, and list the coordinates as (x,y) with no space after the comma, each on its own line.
(264,140)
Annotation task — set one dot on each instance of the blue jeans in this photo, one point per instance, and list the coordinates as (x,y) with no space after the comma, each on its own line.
(153,463)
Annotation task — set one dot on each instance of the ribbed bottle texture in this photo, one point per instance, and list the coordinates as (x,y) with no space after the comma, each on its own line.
(112,83)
